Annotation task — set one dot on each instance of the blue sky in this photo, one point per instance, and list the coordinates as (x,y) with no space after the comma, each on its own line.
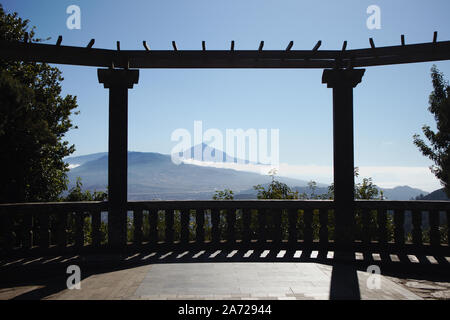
(390,103)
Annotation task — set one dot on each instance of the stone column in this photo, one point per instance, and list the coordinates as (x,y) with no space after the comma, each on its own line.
(343,82)
(118,82)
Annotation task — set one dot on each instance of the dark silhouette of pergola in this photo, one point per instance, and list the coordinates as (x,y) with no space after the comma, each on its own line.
(119,71)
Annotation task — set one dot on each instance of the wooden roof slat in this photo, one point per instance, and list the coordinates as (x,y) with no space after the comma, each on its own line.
(261,46)
(317,46)
(290,45)
(91,43)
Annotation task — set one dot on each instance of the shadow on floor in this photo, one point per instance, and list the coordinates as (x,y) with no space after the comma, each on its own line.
(49,274)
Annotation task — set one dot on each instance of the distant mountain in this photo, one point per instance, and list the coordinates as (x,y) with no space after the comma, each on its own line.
(210,154)
(155,176)
(435,195)
(78,161)
(402,193)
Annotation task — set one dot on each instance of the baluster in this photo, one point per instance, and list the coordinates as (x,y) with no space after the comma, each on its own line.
(323,231)
(28,231)
(20,232)
(448,227)
(52,229)
(382,226)
(184,238)
(169,225)
(246,219)
(417,227)
(96,217)
(308,231)
(153,230)
(262,226)
(7,223)
(200,220)
(137,221)
(215,230)
(231,221)
(365,216)
(435,237)
(269,225)
(292,220)
(44,231)
(79,230)
(399,231)
(62,230)
(277,234)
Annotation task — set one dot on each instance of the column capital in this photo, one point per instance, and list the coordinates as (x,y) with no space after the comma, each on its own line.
(342,77)
(118,77)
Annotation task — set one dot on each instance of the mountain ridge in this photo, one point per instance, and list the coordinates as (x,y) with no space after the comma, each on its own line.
(153,175)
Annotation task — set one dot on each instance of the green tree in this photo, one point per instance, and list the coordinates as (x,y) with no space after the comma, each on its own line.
(275,190)
(77,194)
(439,149)
(226,194)
(363,191)
(34,119)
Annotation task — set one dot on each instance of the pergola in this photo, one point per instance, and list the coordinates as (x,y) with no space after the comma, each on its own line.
(119,71)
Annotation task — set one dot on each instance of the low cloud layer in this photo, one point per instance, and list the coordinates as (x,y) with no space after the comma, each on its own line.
(384,177)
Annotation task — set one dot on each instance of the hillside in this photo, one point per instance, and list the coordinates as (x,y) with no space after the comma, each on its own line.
(155,176)
(435,195)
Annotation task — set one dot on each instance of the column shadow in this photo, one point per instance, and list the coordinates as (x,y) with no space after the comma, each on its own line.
(344,279)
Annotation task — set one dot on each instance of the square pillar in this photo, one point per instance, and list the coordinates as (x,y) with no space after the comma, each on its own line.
(342,82)
(118,82)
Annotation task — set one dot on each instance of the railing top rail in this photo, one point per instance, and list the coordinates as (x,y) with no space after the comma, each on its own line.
(404,205)
(53,206)
(224,204)
(221,204)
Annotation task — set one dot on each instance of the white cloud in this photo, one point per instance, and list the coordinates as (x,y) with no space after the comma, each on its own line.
(383,176)
(72,166)
(389,177)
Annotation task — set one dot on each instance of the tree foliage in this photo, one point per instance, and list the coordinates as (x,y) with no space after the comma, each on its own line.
(77,194)
(275,190)
(439,149)
(363,191)
(34,119)
(226,194)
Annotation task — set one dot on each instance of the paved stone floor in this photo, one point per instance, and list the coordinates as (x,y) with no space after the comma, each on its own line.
(236,280)
(287,281)
(249,281)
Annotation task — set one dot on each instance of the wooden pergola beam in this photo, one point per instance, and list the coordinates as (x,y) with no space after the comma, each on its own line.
(320,59)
